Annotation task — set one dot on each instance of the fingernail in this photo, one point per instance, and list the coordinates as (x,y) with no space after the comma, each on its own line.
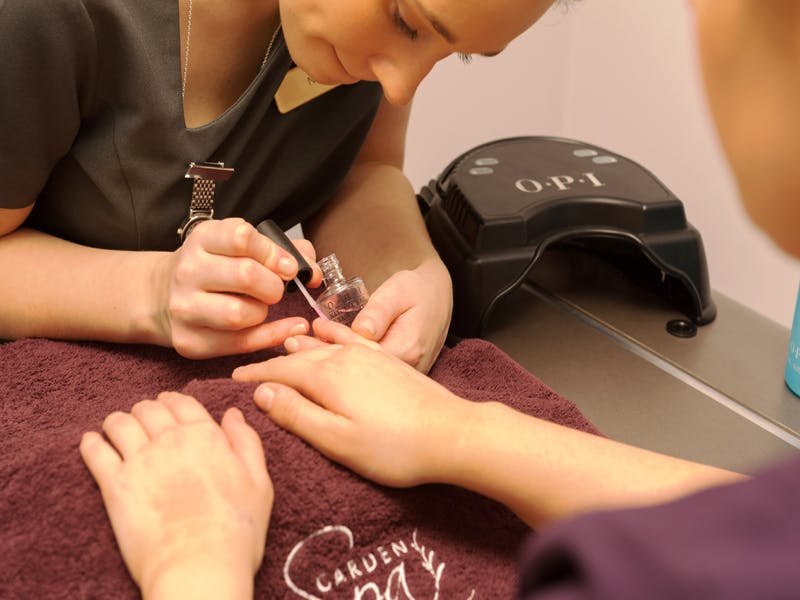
(264,396)
(291,345)
(367,326)
(287,267)
(299,329)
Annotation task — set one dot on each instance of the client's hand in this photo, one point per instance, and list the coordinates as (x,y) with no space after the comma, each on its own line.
(189,501)
(362,407)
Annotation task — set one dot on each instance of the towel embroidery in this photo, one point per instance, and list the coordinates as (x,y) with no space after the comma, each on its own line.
(321,564)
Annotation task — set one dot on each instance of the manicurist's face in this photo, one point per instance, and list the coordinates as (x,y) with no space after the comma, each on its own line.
(397,42)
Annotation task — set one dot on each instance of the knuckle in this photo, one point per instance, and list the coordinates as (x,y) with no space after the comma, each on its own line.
(242,235)
(415,353)
(178,308)
(236,315)
(112,418)
(140,406)
(185,346)
(166,397)
(247,273)
(186,271)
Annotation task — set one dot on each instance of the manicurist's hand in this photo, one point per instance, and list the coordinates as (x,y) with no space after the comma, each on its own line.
(189,501)
(409,314)
(362,407)
(213,294)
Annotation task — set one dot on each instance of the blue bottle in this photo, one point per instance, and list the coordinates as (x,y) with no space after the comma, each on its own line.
(792,374)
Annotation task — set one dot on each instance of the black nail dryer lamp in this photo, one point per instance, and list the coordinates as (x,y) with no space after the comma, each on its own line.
(496,208)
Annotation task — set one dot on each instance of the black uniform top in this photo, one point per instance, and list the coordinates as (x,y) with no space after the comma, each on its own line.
(92,127)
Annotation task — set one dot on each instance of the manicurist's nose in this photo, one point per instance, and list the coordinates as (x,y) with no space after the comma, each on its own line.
(399,81)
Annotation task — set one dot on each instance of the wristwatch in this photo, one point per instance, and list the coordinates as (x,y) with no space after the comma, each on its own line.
(205,175)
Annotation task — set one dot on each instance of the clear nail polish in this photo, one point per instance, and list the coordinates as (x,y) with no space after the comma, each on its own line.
(343,298)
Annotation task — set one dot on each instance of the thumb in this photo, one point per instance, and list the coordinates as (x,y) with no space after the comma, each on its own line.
(377,316)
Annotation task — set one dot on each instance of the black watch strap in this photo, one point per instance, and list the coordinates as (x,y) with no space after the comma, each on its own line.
(205,176)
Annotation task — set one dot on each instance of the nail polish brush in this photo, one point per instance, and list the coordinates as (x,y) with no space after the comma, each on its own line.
(271,229)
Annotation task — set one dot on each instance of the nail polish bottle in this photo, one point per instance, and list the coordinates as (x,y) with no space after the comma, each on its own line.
(343,298)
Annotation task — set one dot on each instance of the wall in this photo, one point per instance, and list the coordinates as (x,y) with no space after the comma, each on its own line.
(622,75)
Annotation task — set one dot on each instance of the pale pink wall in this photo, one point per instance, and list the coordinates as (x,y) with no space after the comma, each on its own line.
(620,74)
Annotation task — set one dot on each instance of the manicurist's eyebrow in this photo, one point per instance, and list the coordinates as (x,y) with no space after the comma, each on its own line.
(436,23)
(442,30)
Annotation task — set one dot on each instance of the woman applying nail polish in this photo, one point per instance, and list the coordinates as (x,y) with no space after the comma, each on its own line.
(141,144)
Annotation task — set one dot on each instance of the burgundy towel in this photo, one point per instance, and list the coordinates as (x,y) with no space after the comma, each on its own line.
(332,534)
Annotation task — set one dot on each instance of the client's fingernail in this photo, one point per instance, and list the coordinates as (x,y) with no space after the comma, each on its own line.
(299,329)
(291,345)
(264,395)
(287,267)
(367,326)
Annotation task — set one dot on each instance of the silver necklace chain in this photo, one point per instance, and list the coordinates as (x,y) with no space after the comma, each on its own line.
(189,42)
(186,51)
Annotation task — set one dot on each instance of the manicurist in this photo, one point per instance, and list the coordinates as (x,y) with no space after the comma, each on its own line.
(127,127)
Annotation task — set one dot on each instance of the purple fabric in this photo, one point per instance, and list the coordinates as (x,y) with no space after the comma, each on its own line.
(332,533)
(740,541)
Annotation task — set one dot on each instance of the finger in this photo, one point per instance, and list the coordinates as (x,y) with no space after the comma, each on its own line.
(308,251)
(100,458)
(299,343)
(403,341)
(306,248)
(246,444)
(185,409)
(337,333)
(125,432)
(300,416)
(205,343)
(379,313)
(227,312)
(237,237)
(235,275)
(153,416)
(297,363)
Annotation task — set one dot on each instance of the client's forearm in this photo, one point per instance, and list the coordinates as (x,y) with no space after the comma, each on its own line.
(546,472)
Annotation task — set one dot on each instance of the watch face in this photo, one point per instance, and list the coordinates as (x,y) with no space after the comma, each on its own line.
(190,223)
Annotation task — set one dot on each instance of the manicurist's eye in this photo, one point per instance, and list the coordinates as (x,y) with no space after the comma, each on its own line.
(401,24)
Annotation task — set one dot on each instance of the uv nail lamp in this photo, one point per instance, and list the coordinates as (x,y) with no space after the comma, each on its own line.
(495,209)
